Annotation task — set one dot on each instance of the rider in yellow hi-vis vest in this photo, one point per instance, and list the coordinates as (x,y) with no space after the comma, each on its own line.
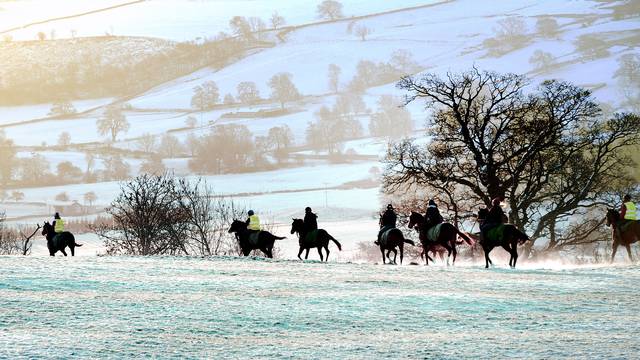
(253,222)
(628,211)
(58,224)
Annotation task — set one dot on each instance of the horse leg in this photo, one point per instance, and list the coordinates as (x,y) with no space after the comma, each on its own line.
(628,246)
(384,261)
(72,248)
(455,254)
(615,249)
(320,253)
(326,248)
(300,253)
(306,255)
(486,257)
(63,252)
(514,254)
(395,256)
(401,252)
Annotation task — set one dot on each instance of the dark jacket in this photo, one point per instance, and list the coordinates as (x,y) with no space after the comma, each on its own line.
(495,216)
(310,221)
(389,218)
(433,217)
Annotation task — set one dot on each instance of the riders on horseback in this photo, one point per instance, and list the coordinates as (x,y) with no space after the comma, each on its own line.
(58,224)
(388,221)
(432,216)
(495,216)
(253,222)
(310,220)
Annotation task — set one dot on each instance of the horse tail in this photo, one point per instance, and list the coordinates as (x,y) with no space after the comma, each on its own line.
(279,237)
(521,236)
(335,241)
(409,241)
(465,237)
(73,240)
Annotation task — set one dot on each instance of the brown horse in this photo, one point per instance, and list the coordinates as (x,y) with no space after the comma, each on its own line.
(626,237)
(389,241)
(509,240)
(448,237)
(312,239)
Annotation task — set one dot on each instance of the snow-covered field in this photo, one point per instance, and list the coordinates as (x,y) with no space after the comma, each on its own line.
(127,307)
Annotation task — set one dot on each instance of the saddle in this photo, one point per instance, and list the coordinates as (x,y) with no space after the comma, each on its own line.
(254,237)
(434,232)
(495,232)
(309,238)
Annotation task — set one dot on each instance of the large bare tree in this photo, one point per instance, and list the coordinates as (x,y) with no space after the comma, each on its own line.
(550,151)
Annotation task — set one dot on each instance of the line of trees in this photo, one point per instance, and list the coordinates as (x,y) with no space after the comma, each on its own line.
(551,152)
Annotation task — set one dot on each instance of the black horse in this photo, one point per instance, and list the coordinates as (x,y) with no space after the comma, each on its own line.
(253,240)
(390,240)
(57,242)
(508,237)
(312,239)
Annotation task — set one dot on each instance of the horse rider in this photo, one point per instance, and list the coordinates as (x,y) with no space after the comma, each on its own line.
(628,213)
(495,216)
(253,222)
(310,220)
(58,224)
(388,221)
(432,216)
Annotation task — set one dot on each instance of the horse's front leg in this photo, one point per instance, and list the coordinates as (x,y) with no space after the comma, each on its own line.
(614,250)
(300,253)
(628,246)
(320,253)
(486,257)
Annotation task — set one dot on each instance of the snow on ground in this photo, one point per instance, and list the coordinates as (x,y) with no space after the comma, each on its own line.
(18,114)
(244,308)
(157,18)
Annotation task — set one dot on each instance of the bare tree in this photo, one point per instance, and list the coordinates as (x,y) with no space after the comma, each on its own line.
(90,198)
(363,31)
(279,140)
(64,139)
(334,77)
(329,9)
(248,92)
(112,122)
(147,143)
(276,20)
(191,122)
(7,158)
(62,108)
(551,153)
(282,89)
(542,60)
(170,146)
(205,96)
(391,120)
(153,166)
(547,27)
(63,196)
(68,172)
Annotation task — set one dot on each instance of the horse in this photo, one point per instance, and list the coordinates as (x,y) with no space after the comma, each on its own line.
(626,236)
(435,250)
(447,237)
(58,241)
(253,240)
(312,239)
(389,241)
(510,239)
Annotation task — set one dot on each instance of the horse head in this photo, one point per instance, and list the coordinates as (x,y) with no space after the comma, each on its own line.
(46,228)
(237,226)
(612,217)
(415,219)
(297,226)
